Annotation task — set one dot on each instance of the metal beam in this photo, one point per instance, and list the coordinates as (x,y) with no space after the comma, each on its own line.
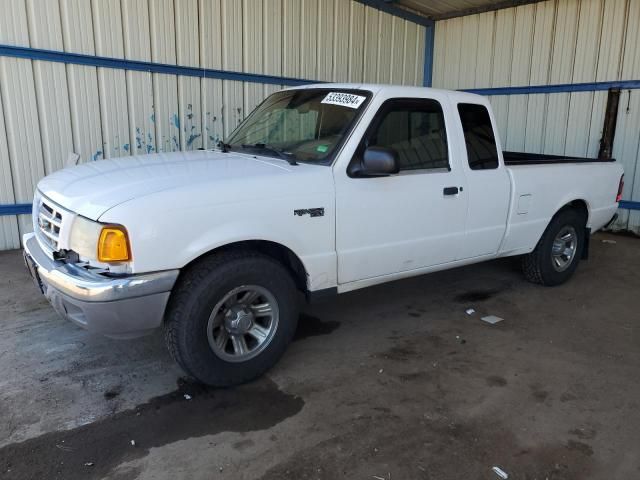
(610,122)
(109,62)
(25,208)
(429,39)
(483,8)
(391,9)
(564,87)
(17,209)
(626,204)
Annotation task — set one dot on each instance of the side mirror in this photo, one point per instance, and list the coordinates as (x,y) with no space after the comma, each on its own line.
(377,162)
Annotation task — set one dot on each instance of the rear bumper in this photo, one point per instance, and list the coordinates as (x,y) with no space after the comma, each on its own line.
(123,307)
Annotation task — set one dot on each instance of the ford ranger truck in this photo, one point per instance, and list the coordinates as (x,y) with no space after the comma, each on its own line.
(322,189)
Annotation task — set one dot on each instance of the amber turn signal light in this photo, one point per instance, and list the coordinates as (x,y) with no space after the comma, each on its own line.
(620,189)
(113,245)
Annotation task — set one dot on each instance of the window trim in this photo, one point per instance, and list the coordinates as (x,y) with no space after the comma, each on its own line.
(383,109)
(423,171)
(464,137)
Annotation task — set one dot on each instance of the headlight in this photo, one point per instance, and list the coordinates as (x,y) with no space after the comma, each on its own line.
(84,238)
(95,241)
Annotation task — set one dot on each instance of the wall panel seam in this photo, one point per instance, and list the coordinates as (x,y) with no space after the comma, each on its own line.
(98,81)
(545,110)
(6,136)
(624,38)
(635,169)
(530,69)
(573,68)
(597,60)
(35,87)
(176,33)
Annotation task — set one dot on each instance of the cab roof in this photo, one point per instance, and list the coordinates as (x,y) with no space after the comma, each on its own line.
(396,90)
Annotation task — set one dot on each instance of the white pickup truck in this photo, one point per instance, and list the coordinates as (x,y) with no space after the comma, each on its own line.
(323,189)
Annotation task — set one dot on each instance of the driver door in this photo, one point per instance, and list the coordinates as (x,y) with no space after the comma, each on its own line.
(408,221)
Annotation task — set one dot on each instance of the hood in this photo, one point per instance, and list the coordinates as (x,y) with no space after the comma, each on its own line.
(93,188)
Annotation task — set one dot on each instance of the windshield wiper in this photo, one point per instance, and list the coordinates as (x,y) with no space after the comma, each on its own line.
(268,148)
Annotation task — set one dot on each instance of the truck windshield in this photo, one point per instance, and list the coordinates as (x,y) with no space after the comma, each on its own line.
(300,125)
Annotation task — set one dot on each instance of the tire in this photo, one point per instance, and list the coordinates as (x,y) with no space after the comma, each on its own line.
(199,346)
(546,265)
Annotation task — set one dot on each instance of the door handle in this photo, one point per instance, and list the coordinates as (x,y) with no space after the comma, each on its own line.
(450,190)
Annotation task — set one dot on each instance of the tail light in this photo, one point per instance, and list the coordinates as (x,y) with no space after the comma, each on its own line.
(620,188)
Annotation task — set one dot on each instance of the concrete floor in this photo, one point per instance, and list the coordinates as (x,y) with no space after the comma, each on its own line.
(392,382)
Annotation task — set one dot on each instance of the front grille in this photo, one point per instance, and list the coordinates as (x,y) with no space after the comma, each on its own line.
(48,222)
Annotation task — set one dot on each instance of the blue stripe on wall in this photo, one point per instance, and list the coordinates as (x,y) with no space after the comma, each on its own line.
(25,208)
(627,205)
(108,62)
(17,209)
(565,87)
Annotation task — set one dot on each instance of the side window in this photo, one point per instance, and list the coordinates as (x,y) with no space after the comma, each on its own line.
(478,136)
(415,129)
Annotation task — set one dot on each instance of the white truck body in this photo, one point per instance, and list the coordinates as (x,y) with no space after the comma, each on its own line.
(179,206)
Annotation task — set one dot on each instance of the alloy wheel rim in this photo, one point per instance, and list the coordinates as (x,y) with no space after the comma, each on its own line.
(243,323)
(564,248)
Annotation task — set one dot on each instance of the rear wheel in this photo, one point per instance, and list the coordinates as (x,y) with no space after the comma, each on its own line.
(231,317)
(558,252)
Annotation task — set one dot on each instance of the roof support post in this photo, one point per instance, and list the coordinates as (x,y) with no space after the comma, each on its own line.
(429,39)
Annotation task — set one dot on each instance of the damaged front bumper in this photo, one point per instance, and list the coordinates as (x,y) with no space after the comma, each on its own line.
(122,306)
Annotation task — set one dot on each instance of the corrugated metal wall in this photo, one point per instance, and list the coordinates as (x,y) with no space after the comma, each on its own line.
(548,43)
(50,109)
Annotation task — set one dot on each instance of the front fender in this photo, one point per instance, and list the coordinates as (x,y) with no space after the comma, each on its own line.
(172,237)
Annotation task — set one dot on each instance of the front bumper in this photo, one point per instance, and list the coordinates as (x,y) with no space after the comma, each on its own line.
(124,307)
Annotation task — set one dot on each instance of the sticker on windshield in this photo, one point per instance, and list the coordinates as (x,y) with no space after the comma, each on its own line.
(344,99)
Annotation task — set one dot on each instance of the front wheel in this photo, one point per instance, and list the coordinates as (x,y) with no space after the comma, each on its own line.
(558,252)
(231,317)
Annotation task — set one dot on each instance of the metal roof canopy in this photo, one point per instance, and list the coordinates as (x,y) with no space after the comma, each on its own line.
(443,9)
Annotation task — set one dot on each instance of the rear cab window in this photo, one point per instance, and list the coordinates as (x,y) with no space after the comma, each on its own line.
(479,138)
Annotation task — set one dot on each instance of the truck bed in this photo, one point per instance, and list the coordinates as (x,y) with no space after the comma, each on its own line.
(521,158)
